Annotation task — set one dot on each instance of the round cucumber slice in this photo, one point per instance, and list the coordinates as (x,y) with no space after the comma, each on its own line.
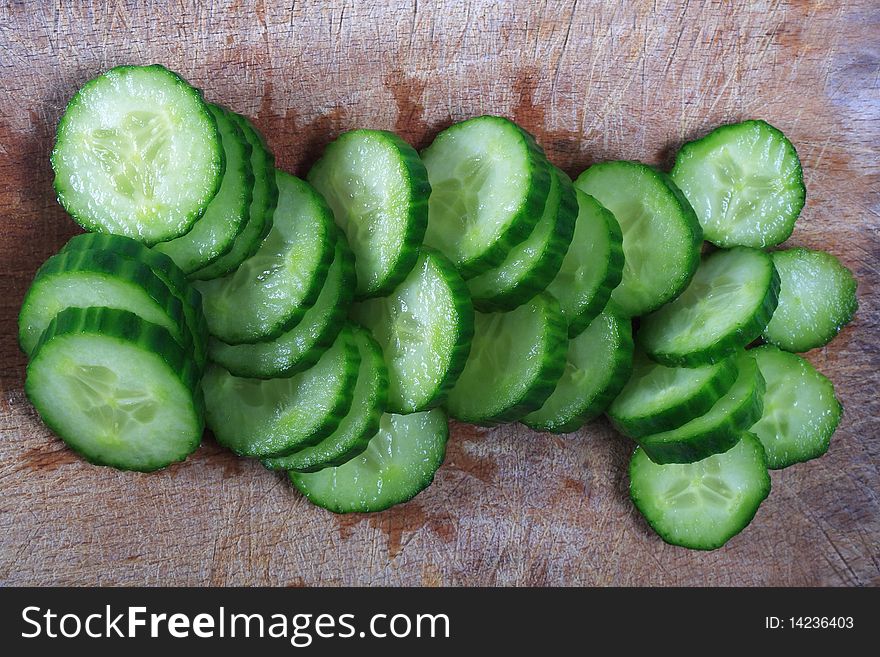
(516,358)
(531,265)
(299,348)
(593,266)
(425,328)
(353,434)
(137,153)
(378,190)
(117,389)
(817,298)
(272,290)
(717,430)
(800,409)
(745,183)
(398,464)
(227,213)
(598,364)
(725,307)
(701,505)
(489,184)
(658,398)
(661,234)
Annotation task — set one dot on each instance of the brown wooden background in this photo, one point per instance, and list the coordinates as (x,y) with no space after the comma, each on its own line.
(593,80)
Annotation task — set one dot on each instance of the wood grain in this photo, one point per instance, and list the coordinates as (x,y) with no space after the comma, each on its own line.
(593,80)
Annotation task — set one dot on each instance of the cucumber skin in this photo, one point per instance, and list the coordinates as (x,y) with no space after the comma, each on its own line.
(130,328)
(220,155)
(738,339)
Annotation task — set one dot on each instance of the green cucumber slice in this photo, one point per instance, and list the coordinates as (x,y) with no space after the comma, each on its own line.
(272,290)
(661,234)
(263,201)
(138,154)
(378,190)
(258,418)
(800,409)
(593,266)
(80,279)
(726,306)
(717,430)
(225,217)
(817,298)
(353,434)
(516,358)
(745,183)
(489,184)
(299,348)
(531,265)
(598,364)
(117,389)
(165,269)
(398,464)
(425,328)
(701,505)
(658,398)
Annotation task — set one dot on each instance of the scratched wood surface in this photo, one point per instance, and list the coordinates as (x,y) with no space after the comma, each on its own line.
(593,80)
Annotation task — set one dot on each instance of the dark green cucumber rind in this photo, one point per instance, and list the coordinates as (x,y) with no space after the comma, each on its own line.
(684,445)
(735,528)
(61,134)
(127,327)
(678,414)
(719,132)
(748,330)
(592,407)
(197,249)
(489,295)
(416,219)
(850,302)
(249,360)
(164,268)
(264,199)
(344,444)
(113,266)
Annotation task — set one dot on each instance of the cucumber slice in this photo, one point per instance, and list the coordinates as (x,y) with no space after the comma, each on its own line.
(489,184)
(531,265)
(425,329)
(658,398)
(263,201)
(260,418)
(745,183)
(593,266)
(137,154)
(598,364)
(717,430)
(725,307)
(516,358)
(299,348)
(701,505)
(399,463)
(272,290)
(378,190)
(800,409)
(227,214)
(117,389)
(362,422)
(80,279)
(661,234)
(165,269)
(817,298)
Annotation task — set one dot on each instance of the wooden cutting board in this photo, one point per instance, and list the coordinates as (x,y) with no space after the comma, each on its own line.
(593,81)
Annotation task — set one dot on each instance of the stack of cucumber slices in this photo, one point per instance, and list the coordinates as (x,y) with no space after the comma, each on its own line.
(329,327)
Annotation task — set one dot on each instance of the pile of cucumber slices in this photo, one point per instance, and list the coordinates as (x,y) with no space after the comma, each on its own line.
(328,327)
